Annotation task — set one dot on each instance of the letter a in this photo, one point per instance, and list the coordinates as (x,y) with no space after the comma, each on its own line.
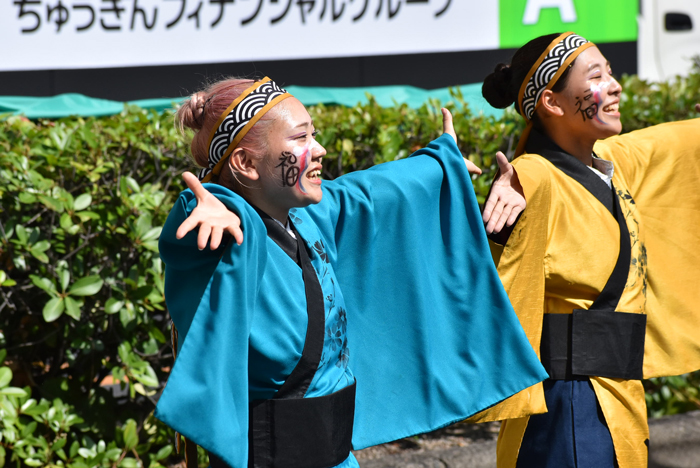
(533,8)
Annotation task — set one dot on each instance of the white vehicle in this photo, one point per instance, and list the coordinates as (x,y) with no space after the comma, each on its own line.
(669,38)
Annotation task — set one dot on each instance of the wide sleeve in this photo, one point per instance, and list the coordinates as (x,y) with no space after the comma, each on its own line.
(211,297)
(521,267)
(433,338)
(661,167)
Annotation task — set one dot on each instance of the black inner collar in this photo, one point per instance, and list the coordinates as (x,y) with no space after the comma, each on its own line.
(539,143)
(279,234)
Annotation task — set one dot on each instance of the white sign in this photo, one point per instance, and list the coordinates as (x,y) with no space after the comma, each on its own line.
(60,34)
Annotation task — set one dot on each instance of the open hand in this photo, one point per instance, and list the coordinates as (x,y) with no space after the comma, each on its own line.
(506,200)
(448,127)
(211,216)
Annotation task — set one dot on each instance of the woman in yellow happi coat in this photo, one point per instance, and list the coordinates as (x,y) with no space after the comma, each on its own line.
(603,265)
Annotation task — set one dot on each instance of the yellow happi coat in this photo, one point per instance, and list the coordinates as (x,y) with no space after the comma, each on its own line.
(563,250)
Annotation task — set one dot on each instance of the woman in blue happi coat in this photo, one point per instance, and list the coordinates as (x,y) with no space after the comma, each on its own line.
(276,366)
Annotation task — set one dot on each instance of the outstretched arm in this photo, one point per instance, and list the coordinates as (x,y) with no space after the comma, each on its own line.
(506,200)
(211,217)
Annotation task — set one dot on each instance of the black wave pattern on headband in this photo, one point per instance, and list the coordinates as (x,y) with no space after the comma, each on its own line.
(546,71)
(237,119)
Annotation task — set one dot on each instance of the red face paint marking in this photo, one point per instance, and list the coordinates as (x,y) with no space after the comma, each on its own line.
(303,164)
(599,102)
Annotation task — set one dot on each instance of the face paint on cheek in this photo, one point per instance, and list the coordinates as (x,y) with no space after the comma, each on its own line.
(288,169)
(596,89)
(304,157)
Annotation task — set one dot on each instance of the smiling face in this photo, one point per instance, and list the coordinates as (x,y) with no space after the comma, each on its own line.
(591,99)
(290,173)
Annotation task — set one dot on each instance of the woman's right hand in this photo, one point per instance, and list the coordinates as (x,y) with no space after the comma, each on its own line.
(210,216)
(506,200)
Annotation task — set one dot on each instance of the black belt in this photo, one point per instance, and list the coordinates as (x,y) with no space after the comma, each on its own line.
(299,432)
(593,343)
(302,432)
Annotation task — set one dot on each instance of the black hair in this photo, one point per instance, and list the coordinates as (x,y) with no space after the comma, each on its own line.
(501,87)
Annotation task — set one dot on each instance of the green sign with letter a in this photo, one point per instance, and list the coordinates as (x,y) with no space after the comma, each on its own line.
(596,20)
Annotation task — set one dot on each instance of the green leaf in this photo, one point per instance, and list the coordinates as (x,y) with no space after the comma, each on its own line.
(74,449)
(29,429)
(87,215)
(5,376)
(22,234)
(27,198)
(2,456)
(66,222)
(153,233)
(87,286)
(3,355)
(131,437)
(73,307)
(53,309)
(128,462)
(13,391)
(82,202)
(85,453)
(39,255)
(112,306)
(113,454)
(143,225)
(43,283)
(127,314)
(41,246)
(164,452)
(64,278)
(51,203)
(59,444)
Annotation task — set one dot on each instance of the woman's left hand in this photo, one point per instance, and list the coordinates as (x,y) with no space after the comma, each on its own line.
(210,217)
(448,127)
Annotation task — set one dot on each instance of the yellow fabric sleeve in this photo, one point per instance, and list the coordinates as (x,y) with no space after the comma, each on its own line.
(661,167)
(522,271)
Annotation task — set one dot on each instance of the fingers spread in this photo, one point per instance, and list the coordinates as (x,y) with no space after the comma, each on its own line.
(505,214)
(495,217)
(203,236)
(489,206)
(215,238)
(514,215)
(236,232)
(186,226)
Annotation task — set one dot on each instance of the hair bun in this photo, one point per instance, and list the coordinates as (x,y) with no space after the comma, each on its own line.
(191,114)
(498,88)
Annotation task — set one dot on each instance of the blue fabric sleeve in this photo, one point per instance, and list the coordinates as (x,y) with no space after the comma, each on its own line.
(433,338)
(211,297)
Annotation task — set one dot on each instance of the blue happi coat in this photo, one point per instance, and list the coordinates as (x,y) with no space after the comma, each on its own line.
(422,321)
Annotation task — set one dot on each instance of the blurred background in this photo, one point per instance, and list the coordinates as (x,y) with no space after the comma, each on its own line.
(137,49)
(87,181)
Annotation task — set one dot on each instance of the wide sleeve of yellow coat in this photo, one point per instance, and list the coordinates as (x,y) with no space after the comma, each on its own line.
(661,167)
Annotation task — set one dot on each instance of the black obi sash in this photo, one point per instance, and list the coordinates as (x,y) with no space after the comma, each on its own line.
(289,430)
(600,341)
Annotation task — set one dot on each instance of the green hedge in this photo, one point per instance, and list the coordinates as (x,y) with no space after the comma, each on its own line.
(84,345)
